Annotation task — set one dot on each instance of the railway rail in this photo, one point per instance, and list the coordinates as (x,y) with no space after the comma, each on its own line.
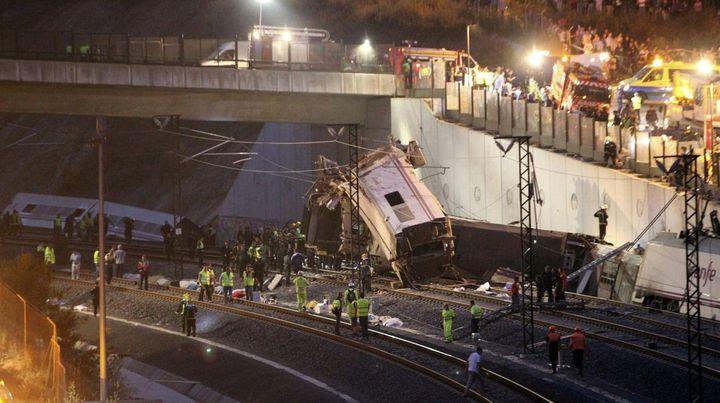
(174,294)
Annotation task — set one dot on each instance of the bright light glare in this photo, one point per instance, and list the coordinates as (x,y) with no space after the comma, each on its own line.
(535,58)
(644,140)
(704,66)
(657,62)
(256,34)
(263,1)
(286,36)
(366,42)
(604,56)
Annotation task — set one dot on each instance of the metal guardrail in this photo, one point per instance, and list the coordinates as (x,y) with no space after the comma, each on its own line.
(180,50)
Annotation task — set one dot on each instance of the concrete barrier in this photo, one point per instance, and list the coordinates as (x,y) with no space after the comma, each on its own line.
(573,133)
(519,112)
(587,137)
(492,116)
(506,116)
(479,108)
(601,132)
(532,113)
(547,126)
(466,109)
(452,100)
(560,130)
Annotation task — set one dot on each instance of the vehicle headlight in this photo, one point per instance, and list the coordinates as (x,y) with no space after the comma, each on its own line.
(626,87)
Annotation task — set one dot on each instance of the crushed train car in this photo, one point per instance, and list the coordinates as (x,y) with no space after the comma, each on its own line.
(404,228)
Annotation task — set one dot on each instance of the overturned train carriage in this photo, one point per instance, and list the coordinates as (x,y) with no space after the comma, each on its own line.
(403,229)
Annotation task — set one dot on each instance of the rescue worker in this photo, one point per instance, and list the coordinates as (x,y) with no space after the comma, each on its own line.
(547,284)
(301,286)
(49,255)
(95,297)
(636,101)
(227,280)
(109,262)
(181,310)
(143,267)
(365,273)
(248,281)
(348,298)
(199,249)
(57,227)
(447,316)
(96,262)
(577,345)
(515,293)
(553,342)
(204,281)
(75,265)
(651,117)
(602,217)
(190,315)
(474,362)
(119,258)
(362,307)
(16,223)
(129,224)
(337,311)
(476,314)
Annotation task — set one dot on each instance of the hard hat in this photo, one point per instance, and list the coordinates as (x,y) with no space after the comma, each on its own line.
(300,273)
(186,297)
(636,94)
(577,329)
(604,207)
(552,328)
(351,285)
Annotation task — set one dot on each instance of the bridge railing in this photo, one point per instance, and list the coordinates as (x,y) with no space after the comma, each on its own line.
(188,51)
(570,132)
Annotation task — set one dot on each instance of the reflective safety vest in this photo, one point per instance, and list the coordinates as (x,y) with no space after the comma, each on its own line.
(577,341)
(49,255)
(200,245)
(301,284)
(204,277)
(448,314)
(248,279)
(553,337)
(96,257)
(362,306)
(58,222)
(636,102)
(336,304)
(227,278)
(476,312)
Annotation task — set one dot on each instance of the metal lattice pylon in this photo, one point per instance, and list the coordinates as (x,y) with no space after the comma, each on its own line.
(353,187)
(692,267)
(525,190)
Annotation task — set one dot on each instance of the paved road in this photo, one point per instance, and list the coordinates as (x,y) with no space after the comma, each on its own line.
(229,373)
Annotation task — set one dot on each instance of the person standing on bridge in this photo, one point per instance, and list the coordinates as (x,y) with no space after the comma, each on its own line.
(577,345)
(143,268)
(474,362)
(362,308)
(553,342)
(602,217)
(476,314)
(337,311)
(636,102)
(448,315)
(227,280)
(301,286)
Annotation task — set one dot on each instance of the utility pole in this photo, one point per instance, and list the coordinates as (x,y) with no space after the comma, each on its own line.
(100,129)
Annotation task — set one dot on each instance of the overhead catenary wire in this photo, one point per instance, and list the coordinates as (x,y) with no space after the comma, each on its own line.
(282,174)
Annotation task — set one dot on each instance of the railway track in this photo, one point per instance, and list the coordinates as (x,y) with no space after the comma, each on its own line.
(626,339)
(293,320)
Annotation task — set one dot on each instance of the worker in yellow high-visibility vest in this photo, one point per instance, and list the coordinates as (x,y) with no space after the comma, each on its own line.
(301,286)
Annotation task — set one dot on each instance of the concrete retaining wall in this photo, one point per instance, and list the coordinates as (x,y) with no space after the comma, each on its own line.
(481,184)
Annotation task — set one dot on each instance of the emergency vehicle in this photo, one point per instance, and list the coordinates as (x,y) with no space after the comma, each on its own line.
(578,82)
(656,82)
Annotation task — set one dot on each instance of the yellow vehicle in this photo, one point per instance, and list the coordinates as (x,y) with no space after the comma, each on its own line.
(655,82)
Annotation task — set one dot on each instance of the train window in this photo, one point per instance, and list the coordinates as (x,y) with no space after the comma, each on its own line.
(29,208)
(394,198)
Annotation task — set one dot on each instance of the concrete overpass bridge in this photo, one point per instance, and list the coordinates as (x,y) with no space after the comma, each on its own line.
(201,93)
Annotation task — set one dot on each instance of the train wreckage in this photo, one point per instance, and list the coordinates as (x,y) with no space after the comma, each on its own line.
(405,229)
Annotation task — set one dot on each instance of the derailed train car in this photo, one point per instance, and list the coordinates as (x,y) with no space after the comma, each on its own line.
(403,229)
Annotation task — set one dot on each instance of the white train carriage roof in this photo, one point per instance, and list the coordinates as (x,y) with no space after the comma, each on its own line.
(389,181)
